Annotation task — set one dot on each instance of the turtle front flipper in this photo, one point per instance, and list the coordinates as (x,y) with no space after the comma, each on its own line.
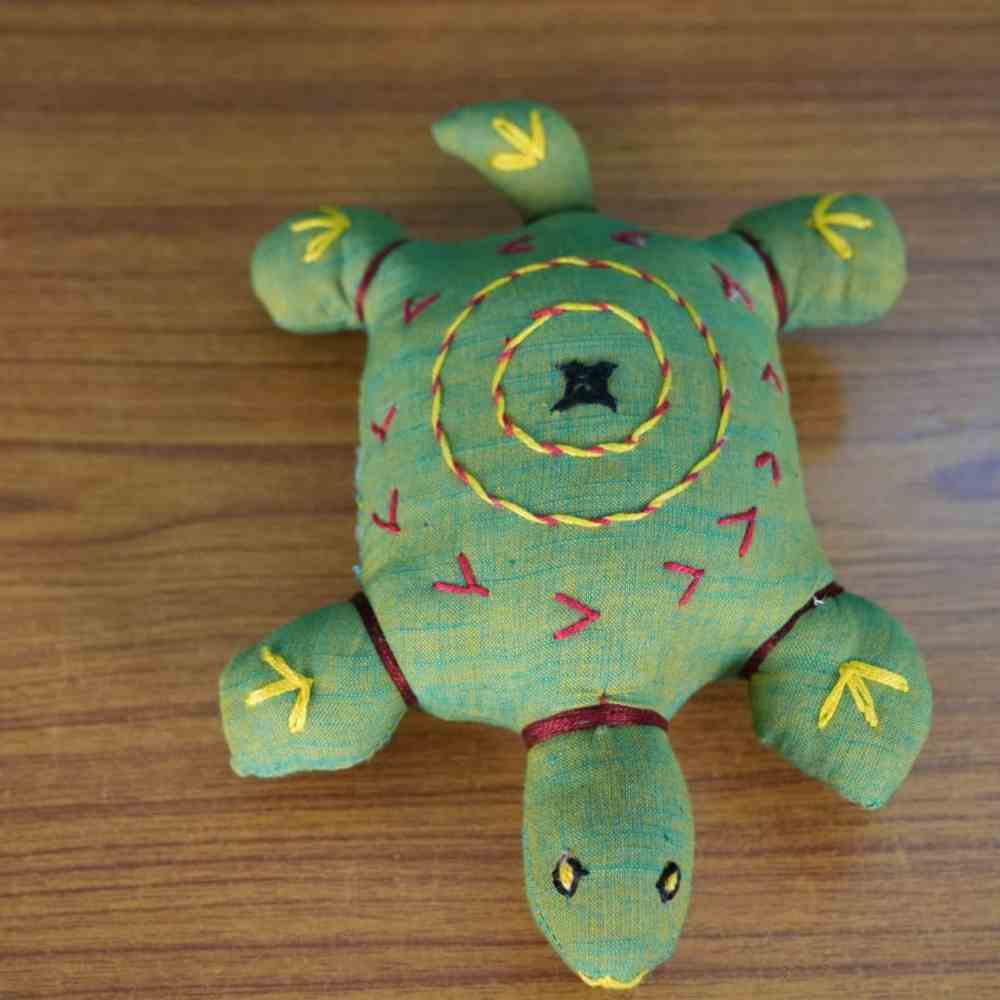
(819,260)
(526,149)
(843,694)
(316,695)
(608,849)
(311,272)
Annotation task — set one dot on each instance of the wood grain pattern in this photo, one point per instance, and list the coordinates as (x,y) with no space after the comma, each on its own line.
(177,480)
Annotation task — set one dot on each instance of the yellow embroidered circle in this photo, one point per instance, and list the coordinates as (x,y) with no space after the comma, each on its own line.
(539,318)
(618,517)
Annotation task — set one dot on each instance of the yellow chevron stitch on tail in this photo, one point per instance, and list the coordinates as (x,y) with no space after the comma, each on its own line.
(530,148)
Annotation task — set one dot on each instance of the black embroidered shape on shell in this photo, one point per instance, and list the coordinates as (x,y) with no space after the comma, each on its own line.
(586,384)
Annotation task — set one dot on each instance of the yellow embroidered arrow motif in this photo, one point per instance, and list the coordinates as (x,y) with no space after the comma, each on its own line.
(853,675)
(333,221)
(291,680)
(821,220)
(530,148)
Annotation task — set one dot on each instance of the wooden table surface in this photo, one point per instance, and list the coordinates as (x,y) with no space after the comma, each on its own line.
(176,480)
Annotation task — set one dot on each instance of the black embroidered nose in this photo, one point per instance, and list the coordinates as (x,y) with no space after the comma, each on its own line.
(587,384)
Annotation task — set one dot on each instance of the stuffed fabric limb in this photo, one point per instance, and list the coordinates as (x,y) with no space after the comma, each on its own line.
(308,270)
(312,696)
(526,149)
(845,697)
(831,259)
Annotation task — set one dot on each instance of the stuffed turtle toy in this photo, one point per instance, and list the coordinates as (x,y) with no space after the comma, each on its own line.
(580,500)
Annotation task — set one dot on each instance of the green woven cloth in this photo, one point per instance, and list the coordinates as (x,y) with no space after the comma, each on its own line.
(544,529)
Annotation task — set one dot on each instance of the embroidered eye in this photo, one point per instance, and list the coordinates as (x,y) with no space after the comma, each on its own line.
(669,882)
(567,874)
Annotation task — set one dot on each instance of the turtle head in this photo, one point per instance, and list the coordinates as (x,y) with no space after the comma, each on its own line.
(608,848)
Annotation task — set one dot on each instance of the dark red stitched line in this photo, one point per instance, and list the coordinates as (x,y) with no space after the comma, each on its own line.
(605,714)
(382,647)
(369,276)
(761,653)
(777,285)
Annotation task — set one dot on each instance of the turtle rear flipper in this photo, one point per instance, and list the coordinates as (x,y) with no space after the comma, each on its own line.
(526,149)
(313,696)
(844,696)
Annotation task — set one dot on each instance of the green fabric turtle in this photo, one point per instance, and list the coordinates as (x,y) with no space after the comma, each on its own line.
(580,500)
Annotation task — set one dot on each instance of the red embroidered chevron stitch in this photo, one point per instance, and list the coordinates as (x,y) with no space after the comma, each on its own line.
(380,430)
(748,516)
(471,585)
(522,244)
(413,308)
(632,237)
(769,458)
(692,571)
(770,375)
(391,524)
(732,289)
(590,615)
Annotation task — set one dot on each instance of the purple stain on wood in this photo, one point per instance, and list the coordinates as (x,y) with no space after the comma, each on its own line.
(974,479)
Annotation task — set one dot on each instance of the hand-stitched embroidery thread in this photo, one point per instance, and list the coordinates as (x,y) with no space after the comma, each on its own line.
(552,520)
(769,374)
(823,221)
(471,585)
(539,318)
(380,430)
(605,713)
(732,289)
(530,148)
(390,524)
(769,458)
(522,244)
(412,308)
(749,517)
(567,874)
(590,615)
(632,237)
(694,572)
(586,383)
(777,285)
(332,221)
(669,882)
(291,680)
(373,268)
(853,675)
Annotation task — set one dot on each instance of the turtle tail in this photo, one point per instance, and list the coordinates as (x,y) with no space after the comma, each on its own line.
(526,149)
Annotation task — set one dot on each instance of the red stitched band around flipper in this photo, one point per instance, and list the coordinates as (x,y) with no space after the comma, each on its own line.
(382,647)
(369,276)
(590,717)
(761,652)
(777,285)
